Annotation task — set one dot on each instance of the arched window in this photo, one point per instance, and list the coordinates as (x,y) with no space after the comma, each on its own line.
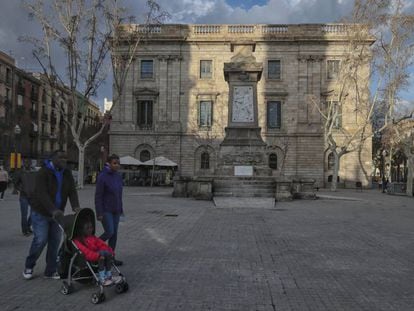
(145,155)
(273,161)
(331,161)
(205,161)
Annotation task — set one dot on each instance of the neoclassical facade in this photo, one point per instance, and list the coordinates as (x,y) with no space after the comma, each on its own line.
(234,100)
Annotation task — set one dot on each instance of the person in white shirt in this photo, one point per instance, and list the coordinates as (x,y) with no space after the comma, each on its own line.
(4,179)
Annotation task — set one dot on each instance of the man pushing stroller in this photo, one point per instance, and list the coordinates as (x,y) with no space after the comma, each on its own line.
(54,185)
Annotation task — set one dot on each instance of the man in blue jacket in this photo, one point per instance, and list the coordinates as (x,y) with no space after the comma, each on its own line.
(54,185)
(108,201)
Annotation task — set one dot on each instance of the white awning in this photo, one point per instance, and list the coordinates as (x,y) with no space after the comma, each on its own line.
(160,161)
(128,160)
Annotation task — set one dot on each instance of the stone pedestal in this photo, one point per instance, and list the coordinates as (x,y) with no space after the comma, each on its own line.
(243,144)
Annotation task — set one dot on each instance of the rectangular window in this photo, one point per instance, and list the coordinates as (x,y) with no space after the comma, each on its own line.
(147,69)
(332,69)
(206,69)
(19,100)
(144,115)
(205,115)
(334,113)
(274,118)
(273,69)
(8,75)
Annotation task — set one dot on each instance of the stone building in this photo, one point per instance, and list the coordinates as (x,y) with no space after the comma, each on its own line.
(232,101)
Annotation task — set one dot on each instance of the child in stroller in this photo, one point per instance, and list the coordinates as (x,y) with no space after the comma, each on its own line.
(96,250)
(84,257)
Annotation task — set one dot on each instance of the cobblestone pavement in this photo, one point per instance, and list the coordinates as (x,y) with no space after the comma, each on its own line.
(183,254)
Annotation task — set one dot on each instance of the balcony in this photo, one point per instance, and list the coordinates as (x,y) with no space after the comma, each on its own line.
(53,119)
(33,114)
(45,135)
(45,117)
(35,95)
(33,133)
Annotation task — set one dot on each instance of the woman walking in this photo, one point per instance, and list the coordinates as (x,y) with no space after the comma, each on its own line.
(4,179)
(108,201)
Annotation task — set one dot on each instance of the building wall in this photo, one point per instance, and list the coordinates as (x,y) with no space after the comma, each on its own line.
(177,88)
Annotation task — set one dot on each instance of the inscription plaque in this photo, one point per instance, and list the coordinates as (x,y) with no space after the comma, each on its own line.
(242,107)
(243,170)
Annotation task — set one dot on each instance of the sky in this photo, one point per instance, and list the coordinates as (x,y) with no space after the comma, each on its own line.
(14,21)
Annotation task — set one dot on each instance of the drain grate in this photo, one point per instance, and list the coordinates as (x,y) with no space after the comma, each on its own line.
(279,209)
(170,215)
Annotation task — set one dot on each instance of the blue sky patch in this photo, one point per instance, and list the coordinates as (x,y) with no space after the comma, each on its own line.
(245,4)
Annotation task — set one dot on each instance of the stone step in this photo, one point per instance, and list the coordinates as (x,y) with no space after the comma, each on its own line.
(243,194)
(246,202)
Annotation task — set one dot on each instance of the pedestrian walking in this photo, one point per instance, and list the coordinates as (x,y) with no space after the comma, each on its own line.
(24,183)
(54,185)
(4,179)
(108,201)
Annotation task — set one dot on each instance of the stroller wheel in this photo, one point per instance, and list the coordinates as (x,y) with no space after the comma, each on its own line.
(97,298)
(121,287)
(66,288)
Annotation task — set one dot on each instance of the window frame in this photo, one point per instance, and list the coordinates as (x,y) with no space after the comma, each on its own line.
(338,121)
(335,76)
(268,102)
(146,124)
(210,117)
(141,155)
(280,69)
(200,73)
(269,161)
(205,159)
(141,69)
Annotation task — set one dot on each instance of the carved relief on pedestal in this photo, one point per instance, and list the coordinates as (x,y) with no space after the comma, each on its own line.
(242,107)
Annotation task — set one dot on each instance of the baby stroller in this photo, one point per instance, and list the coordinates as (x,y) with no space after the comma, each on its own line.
(73,265)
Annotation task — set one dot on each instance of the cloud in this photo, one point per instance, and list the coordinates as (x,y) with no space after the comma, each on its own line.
(274,11)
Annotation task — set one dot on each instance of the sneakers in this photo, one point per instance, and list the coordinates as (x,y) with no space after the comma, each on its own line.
(28,273)
(54,276)
(104,279)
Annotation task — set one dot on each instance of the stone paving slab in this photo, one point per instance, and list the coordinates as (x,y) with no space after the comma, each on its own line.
(184,254)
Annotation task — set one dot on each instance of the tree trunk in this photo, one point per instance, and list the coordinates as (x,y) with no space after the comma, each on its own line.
(334,182)
(410,166)
(81,165)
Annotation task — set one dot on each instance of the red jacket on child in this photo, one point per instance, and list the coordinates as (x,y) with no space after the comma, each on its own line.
(90,247)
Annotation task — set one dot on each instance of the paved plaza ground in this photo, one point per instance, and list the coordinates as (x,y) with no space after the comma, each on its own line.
(352,253)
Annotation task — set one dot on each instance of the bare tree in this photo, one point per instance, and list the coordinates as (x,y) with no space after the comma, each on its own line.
(392,55)
(82,31)
(400,136)
(343,135)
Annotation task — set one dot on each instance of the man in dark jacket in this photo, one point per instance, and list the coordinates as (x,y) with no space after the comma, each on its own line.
(24,183)
(54,185)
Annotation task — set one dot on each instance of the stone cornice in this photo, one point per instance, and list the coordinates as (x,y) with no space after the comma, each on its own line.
(247,33)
